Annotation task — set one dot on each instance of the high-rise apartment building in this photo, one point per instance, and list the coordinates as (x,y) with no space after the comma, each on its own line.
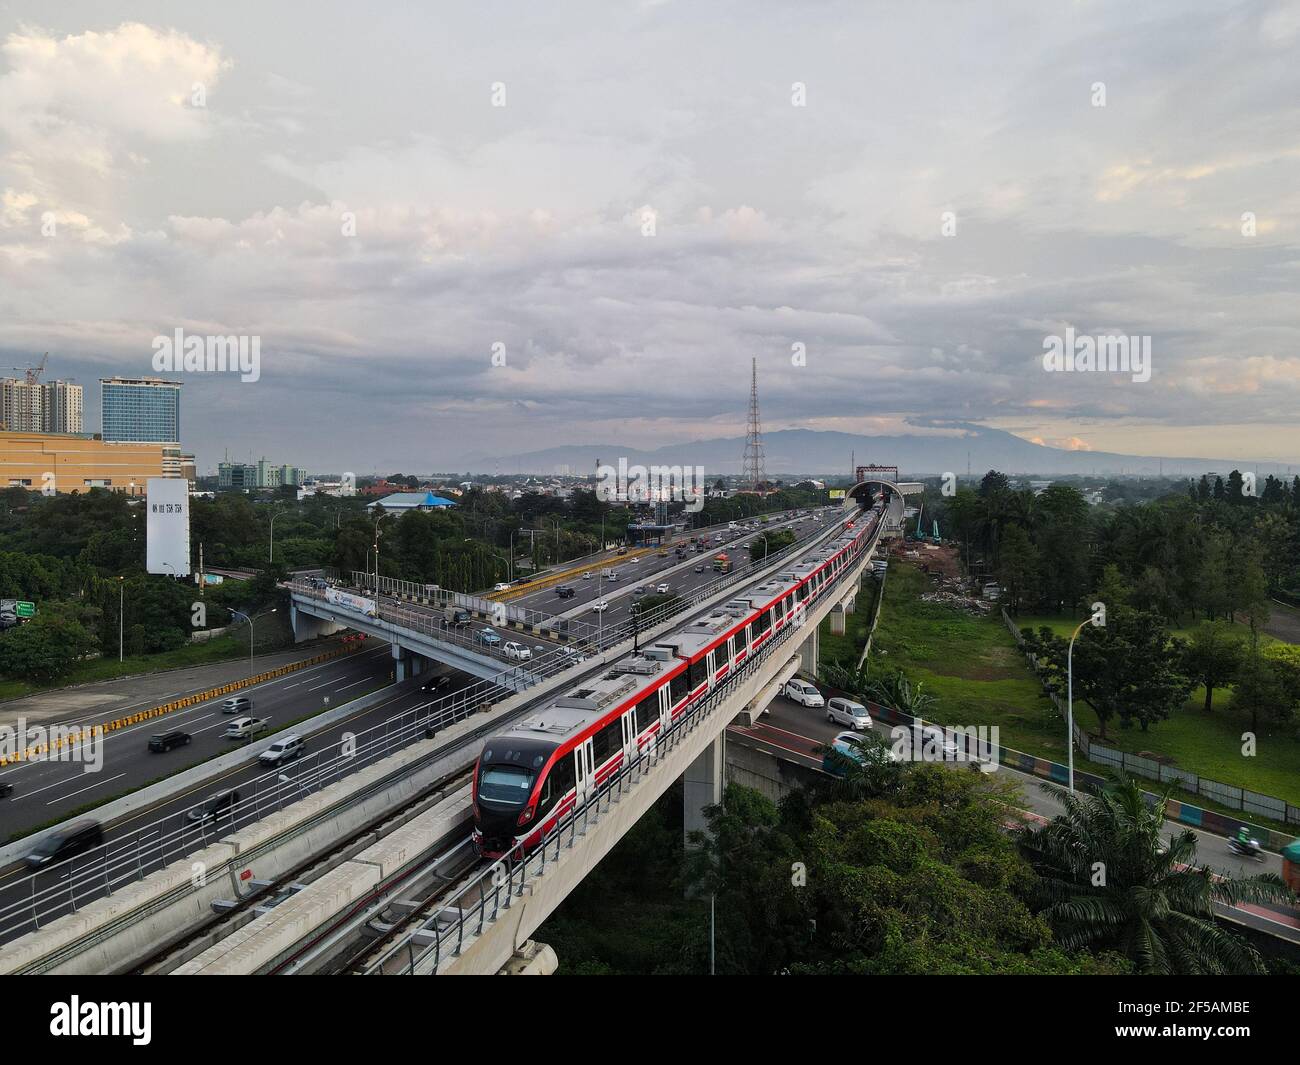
(28,406)
(140,410)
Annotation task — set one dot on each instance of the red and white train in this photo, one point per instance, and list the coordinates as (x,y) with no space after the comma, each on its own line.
(531,775)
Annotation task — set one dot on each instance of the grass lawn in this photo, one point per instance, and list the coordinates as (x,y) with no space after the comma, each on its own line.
(979,677)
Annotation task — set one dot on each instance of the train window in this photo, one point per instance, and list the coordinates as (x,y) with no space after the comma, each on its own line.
(607,741)
(562,775)
(504,785)
(679,686)
(763,623)
(697,674)
(647,711)
(801,593)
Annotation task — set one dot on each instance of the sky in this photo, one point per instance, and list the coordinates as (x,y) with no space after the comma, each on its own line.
(464,230)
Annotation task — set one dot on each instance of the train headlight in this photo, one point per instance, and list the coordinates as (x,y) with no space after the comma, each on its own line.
(527,815)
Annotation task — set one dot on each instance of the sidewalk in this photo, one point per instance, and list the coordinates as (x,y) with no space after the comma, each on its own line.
(110,698)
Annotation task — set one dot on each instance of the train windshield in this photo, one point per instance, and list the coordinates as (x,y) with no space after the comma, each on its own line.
(504,785)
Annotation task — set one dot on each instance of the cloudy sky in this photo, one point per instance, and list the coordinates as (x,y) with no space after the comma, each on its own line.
(916,194)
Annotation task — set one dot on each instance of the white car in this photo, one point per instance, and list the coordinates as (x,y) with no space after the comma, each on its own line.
(517,651)
(847,712)
(500,587)
(803,693)
(634,559)
(600,606)
(586,576)
(663,587)
(611,576)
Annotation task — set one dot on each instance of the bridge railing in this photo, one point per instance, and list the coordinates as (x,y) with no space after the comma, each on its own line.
(447,931)
(127,859)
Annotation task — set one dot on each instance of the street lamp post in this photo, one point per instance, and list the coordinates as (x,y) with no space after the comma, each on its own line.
(377,521)
(271,552)
(250,621)
(1098,618)
(121,614)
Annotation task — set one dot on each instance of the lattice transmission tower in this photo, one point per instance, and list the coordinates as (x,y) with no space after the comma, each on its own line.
(755,472)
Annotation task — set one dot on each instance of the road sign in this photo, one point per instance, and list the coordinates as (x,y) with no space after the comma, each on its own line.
(25,610)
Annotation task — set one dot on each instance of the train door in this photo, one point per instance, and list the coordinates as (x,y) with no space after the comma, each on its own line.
(711,666)
(582,764)
(629,733)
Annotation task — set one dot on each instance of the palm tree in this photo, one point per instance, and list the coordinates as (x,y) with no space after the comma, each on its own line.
(1108,882)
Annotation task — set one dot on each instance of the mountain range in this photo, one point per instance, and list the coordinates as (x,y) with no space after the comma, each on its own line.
(812,452)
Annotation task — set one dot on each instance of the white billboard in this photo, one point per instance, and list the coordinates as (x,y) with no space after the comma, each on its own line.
(167,526)
(352,602)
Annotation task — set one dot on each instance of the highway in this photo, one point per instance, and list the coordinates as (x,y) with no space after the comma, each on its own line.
(47,791)
(134,832)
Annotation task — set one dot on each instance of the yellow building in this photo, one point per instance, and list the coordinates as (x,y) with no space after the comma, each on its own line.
(70,462)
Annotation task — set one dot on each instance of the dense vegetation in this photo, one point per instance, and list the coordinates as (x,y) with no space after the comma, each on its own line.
(80,558)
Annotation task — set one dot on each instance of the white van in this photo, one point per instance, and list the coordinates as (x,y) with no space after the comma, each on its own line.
(847,712)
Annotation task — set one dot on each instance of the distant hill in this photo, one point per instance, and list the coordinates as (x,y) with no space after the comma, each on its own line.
(807,451)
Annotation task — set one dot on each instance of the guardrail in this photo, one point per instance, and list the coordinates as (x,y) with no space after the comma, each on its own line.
(84,732)
(445,933)
(112,865)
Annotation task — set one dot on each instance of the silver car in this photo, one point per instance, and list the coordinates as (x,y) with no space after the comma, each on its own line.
(842,711)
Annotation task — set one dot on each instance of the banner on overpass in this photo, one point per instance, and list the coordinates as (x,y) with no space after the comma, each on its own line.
(350,601)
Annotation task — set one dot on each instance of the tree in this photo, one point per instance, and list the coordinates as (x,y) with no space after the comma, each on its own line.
(920,880)
(1260,689)
(1130,669)
(1212,657)
(1107,881)
(44,649)
(1017,566)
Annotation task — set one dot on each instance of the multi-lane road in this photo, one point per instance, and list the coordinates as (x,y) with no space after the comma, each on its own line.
(48,791)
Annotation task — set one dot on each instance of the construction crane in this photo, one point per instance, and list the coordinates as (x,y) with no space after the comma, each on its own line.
(32,374)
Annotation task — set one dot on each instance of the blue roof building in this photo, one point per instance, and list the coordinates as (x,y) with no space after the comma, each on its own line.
(404,501)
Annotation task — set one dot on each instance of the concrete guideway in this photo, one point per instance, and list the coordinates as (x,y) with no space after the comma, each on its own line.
(517,898)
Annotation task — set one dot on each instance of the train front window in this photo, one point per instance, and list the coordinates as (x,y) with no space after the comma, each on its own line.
(504,785)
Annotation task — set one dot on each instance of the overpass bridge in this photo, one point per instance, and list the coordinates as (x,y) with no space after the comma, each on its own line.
(489,917)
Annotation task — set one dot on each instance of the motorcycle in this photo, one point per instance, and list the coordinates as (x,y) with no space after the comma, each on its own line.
(1250,850)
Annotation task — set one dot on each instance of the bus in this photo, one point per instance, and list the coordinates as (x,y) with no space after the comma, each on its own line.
(722,563)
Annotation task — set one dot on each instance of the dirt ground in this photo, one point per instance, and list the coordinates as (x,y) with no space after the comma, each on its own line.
(941,560)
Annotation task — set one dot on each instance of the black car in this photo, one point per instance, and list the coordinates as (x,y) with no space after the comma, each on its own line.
(219,804)
(437,683)
(5,788)
(565,592)
(165,741)
(65,843)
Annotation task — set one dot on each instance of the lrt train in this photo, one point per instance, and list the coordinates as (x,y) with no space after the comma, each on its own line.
(530,776)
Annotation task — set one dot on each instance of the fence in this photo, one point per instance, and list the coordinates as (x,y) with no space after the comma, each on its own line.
(1175,809)
(1235,798)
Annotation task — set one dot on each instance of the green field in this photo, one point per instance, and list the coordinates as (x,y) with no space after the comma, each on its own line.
(979,677)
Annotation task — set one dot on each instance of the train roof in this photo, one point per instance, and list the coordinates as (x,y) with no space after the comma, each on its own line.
(565,716)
